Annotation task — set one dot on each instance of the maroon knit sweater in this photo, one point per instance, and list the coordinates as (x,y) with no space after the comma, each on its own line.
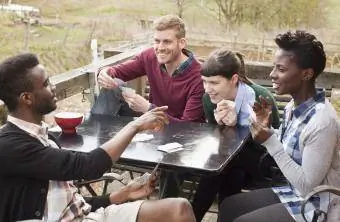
(181,93)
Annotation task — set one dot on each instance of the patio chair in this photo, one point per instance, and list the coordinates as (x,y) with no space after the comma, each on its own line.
(107,178)
(333,212)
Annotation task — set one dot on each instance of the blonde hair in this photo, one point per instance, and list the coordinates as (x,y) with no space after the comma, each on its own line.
(170,22)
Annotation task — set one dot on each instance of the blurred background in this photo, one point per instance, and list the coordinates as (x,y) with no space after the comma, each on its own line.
(60,31)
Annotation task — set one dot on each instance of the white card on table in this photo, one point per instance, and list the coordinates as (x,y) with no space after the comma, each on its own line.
(170,147)
(140,137)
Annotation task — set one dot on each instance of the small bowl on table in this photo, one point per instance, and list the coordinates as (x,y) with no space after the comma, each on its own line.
(68,121)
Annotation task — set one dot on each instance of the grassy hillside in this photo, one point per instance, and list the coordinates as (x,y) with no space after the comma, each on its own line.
(62,42)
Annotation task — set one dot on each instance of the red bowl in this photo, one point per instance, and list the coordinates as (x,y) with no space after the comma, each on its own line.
(68,121)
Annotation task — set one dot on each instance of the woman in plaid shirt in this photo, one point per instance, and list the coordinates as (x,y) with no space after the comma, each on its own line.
(305,147)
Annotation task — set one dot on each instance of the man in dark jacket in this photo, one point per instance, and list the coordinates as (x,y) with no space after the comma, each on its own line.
(35,173)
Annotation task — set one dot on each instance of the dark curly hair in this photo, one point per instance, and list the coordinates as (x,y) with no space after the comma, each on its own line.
(225,63)
(307,49)
(14,78)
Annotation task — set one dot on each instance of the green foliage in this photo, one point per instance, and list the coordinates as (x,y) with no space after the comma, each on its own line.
(270,14)
(109,10)
(67,26)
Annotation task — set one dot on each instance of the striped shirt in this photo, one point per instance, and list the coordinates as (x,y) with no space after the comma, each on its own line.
(306,151)
(63,202)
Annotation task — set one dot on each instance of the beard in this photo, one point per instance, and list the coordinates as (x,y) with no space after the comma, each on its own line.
(44,109)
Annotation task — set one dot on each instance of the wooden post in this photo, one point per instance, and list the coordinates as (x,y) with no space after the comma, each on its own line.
(263,49)
(27,33)
(234,42)
(92,83)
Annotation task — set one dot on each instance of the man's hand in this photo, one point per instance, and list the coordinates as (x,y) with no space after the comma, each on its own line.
(137,190)
(154,119)
(105,80)
(260,127)
(136,102)
(134,190)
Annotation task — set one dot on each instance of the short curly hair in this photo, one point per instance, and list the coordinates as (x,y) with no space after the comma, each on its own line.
(14,78)
(309,51)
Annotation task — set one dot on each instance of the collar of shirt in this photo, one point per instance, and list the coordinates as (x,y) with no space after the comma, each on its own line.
(303,107)
(242,96)
(37,131)
(183,66)
(244,102)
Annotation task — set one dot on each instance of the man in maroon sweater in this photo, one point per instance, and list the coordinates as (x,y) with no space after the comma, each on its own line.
(175,80)
(172,71)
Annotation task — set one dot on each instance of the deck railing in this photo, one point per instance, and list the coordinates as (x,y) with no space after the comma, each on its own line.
(83,79)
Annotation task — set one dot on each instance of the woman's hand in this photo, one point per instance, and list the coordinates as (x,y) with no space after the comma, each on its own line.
(260,125)
(263,112)
(225,113)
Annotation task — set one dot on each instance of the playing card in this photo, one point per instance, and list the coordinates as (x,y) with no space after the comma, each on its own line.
(140,137)
(156,167)
(120,82)
(143,179)
(170,147)
(128,90)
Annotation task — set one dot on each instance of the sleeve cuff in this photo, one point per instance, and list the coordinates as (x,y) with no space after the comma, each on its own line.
(111,72)
(273,145)
(98,202)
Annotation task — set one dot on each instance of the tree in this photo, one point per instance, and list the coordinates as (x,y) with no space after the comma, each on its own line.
(268,14)
(230,12)
(180,7)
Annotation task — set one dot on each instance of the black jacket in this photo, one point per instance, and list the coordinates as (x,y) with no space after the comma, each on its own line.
(26,166)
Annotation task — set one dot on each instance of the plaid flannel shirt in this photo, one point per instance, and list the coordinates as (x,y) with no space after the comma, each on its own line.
(184,65)
(294,122)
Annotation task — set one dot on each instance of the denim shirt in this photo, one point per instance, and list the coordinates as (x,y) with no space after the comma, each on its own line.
(244,101)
